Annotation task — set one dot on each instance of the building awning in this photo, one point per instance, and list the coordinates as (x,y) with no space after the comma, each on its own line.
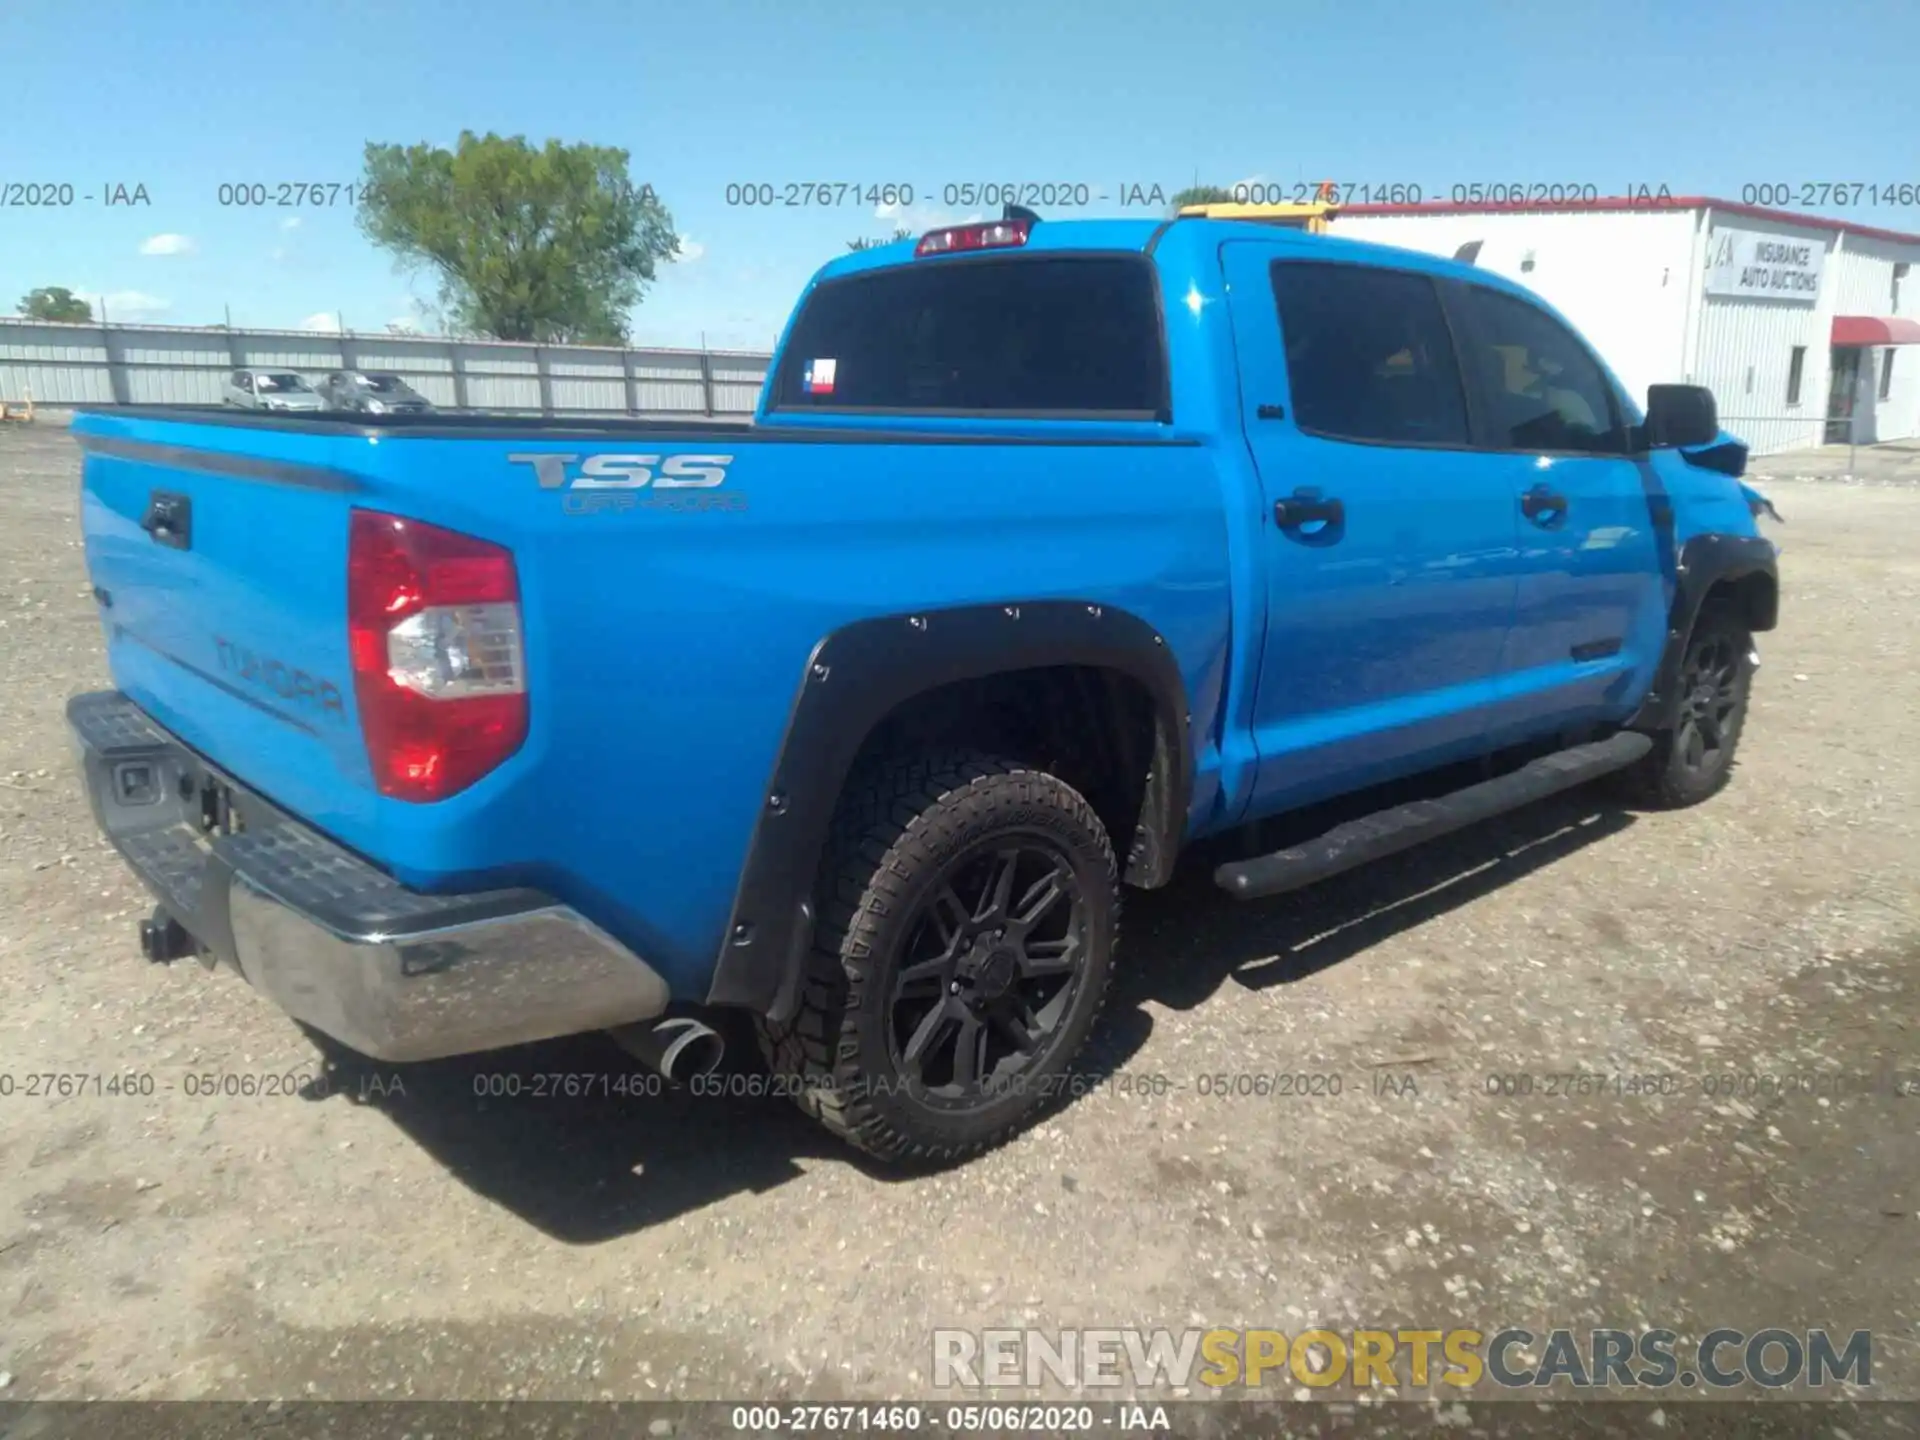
(1875,330)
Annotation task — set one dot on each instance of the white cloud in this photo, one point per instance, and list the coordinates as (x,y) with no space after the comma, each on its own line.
(292,222)
(322,320)
(690,250)
(124,304)
(167,244)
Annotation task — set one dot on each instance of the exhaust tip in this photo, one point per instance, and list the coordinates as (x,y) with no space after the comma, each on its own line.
(679,1048)
(691,1049)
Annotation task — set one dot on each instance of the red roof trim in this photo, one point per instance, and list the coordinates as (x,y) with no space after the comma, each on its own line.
(1616,204)
(1875,330)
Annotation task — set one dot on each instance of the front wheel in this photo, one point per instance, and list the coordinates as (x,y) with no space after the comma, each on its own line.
(968,915)
(1694,760)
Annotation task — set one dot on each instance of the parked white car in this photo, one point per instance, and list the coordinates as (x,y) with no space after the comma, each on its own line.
(270,390)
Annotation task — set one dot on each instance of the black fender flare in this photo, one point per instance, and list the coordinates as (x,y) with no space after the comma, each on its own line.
(1705,561)
(857,676)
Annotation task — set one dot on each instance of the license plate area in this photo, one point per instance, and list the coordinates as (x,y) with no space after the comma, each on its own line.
(208,803)
(138,783)
(216,807)
(170,788)
(170,813)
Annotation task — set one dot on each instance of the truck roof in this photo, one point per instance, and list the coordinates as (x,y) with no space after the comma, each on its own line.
(1151,235)
(1122,235)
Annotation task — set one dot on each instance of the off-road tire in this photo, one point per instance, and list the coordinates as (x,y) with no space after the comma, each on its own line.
(1666,778)
(902,823)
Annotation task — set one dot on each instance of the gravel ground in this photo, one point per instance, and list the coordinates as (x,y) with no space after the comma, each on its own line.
(388,1234)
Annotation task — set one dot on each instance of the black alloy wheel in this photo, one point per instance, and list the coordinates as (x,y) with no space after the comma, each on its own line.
(969,906)
(992,959)
(1710,694)
(1694,759)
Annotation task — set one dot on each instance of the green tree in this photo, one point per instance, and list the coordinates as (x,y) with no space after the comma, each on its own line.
(54,302)
(865,244)
(554,244)
(1199,195)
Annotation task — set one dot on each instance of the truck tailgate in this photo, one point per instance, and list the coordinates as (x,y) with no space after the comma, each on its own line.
(218,555)
(666,627)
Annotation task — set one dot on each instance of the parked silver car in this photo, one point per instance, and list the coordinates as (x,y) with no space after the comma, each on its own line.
(372,394)
(270,390)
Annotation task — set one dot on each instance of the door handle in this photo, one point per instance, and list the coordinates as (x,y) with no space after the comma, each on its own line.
(169,519)
(1309,507)
(1545,508)
(1298,510)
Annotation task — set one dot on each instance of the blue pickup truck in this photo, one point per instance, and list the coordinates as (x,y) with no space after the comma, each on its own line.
(1052,548)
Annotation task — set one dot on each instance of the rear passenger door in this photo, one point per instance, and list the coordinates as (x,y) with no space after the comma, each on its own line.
(1590,616)
(1387,544)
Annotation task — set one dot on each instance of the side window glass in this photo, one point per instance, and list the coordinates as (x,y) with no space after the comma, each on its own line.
(1543,391)
(1369,355)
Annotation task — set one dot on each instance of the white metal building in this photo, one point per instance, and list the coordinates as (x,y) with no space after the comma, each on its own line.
(1797,323)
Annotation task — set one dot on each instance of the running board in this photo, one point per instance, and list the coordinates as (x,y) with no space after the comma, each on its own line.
(1397,828)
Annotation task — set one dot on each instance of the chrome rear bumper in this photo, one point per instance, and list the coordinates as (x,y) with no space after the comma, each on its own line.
(334,941)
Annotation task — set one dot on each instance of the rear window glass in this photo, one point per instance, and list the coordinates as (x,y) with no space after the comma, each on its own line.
(1069,334)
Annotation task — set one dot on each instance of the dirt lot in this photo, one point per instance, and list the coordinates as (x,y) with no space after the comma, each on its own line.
(398,1237)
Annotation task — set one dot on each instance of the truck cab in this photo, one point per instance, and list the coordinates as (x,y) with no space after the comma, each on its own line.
(1448,529)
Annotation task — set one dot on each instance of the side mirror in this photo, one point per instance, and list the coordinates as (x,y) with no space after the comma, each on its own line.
(1680,415)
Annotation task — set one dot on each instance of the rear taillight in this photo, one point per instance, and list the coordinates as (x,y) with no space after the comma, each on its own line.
(433,619)
(992,235)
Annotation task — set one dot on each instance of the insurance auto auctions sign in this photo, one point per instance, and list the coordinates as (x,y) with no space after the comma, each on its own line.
(1772,267)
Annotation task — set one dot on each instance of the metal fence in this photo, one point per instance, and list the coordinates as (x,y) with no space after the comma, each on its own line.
(113,364)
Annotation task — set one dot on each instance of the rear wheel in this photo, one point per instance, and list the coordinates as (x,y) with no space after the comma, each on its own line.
(968,914)
(1694,759)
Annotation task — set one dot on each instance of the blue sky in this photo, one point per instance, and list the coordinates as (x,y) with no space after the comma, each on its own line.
(181,96)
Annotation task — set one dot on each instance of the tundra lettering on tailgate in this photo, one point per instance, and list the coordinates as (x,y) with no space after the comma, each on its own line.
(306,692)
(611,482)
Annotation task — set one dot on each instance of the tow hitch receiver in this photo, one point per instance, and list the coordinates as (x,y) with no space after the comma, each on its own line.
(164,939)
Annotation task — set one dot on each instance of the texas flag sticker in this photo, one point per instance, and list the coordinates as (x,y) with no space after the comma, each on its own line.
(818,377)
